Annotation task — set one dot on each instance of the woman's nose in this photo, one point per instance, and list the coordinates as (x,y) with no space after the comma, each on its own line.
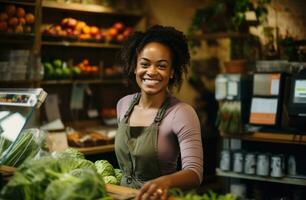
(152,70)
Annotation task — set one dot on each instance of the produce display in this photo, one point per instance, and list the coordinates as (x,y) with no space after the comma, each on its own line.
(109,174)
(177,194)
(16,19)
(63,175)
(71,28)
(26,146)
(59,69)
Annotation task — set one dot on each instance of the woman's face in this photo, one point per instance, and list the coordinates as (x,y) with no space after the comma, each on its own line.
(154,68)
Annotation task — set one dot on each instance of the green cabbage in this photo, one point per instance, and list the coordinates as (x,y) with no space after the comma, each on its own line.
(87,185)
(110,180)
(34,177)
(72,152)
(118,174)
(104,168)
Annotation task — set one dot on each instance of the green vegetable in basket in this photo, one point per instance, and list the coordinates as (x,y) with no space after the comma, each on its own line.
(88,185)
(118,174)
(192,195)
(104,168)
(73,152)
(62,177)
(26,146)
(110,180)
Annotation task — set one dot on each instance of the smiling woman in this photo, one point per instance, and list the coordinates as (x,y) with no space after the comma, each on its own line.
(155,128)
(153,69)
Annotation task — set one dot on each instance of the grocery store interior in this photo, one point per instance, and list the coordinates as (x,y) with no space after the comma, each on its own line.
(60,81)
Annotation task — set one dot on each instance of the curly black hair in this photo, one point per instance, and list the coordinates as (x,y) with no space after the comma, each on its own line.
(169,36)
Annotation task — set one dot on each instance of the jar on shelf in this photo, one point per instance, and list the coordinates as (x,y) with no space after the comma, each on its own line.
(263,166)
(277,166)
(238,162)
(225,160)
(250,163)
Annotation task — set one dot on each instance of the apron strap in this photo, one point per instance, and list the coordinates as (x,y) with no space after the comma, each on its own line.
(161,112)
(131,107)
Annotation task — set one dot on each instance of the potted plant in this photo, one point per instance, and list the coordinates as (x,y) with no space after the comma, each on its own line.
(231,16)
(228,15)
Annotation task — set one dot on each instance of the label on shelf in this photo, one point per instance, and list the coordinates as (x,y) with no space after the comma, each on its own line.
(263,111)
(13,99)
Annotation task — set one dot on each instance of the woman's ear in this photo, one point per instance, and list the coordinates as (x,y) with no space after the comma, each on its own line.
(171,74)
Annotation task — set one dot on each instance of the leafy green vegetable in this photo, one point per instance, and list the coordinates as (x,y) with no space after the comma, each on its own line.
(118,174)
(74,152)
(191,195)
(26,146)
(69,163)
(68,187)
(104,168)
(110,180)
(71,152)
(34,177)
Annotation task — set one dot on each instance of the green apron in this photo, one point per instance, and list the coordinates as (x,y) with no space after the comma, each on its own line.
(136,148)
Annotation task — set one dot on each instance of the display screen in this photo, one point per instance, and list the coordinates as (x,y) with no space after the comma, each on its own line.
(299,91)
(263,111)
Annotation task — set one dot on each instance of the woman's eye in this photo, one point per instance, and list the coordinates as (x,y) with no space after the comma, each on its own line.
(162,66)
(144,64)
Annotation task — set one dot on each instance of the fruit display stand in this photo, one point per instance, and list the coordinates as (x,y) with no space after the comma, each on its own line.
(19,41)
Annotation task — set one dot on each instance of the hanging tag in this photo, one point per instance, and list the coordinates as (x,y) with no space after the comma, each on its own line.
(77,96)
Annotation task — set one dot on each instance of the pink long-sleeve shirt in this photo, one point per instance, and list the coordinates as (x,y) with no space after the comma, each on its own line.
(179,132)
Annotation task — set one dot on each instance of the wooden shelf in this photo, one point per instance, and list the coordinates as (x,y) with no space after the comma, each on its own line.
(87,8)
(24,2)
(26,38)
(269,137)
(284,180)
(97,149)
(81,44)
(13,82)
(67,82)
(211,36)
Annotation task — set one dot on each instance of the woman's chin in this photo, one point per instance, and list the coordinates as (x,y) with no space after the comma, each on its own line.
(151,91)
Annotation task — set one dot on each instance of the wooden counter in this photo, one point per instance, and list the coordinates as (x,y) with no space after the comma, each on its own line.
(120,193)
(97,149)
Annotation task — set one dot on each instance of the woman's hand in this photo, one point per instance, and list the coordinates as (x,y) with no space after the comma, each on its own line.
(155,189)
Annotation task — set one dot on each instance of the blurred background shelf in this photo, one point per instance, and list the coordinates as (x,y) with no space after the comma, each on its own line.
(269,137)
(284,180)
(81,44)
(94,81)
(19,2)
(87,8)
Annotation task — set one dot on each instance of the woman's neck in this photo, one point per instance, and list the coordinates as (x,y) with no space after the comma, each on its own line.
(152,101)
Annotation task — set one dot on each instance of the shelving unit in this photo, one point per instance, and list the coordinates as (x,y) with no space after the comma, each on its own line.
(87,8)
(81,44)
(210,36)
(284,180)
(64,82)
(269,137)
(15,38)
(21,2)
